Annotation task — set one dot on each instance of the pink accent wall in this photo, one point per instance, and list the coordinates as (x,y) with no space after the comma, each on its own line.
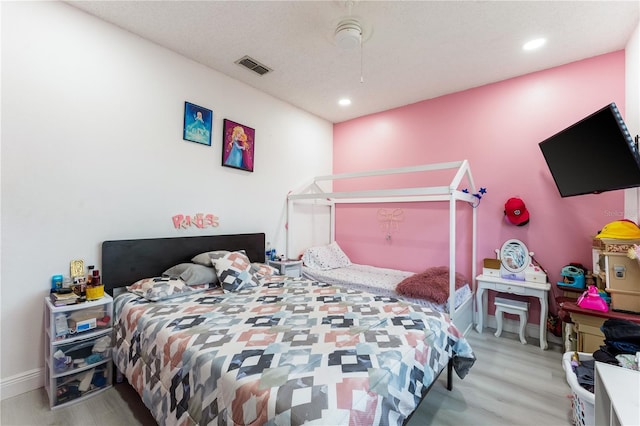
(497,128)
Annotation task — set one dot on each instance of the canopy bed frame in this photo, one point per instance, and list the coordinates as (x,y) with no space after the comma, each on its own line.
(312,192)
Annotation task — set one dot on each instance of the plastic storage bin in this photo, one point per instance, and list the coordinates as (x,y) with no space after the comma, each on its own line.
(583,401)
(77,350)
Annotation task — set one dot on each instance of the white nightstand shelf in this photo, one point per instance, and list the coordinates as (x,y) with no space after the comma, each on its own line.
(85,365)
(290,268)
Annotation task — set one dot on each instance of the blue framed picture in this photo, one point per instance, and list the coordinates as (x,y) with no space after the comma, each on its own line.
(197,124)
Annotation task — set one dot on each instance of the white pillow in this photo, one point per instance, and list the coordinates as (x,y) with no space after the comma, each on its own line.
(342,258)
(325,257)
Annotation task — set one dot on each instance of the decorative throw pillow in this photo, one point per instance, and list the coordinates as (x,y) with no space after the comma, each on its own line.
(325,257)
(432,284)
(234,272)
(204,287)
(263,270)
(193,273)
(160,288)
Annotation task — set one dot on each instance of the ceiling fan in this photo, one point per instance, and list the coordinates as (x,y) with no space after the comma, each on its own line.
(348,34)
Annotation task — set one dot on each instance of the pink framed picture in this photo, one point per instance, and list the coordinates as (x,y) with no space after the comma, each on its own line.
(238,146)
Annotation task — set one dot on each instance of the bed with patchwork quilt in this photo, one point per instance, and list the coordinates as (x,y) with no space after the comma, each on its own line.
(282,351)
(330,264)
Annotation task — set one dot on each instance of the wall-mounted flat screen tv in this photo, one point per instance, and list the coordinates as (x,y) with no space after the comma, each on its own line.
(594,155)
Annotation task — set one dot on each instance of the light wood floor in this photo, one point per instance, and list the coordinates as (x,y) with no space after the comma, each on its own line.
(510,384)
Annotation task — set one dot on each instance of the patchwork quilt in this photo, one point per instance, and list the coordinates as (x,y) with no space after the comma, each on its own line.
(378,280)
(286,352)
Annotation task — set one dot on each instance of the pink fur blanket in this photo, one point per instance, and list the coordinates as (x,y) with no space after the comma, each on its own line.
(432,284)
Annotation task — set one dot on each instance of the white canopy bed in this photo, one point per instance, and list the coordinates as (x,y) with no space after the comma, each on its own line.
(453,174)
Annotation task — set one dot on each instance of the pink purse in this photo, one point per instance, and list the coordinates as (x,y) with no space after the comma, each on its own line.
(590,299)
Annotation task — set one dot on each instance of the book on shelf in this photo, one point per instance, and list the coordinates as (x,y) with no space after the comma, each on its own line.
(61,299)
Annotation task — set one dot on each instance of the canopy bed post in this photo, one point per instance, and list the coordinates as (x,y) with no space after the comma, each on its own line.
(332,224)
(289,228)
(452,253)
(474,256)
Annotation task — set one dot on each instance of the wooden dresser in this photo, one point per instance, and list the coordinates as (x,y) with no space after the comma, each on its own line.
(588,322)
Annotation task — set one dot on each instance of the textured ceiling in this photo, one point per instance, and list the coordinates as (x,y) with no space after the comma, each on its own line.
(412,50)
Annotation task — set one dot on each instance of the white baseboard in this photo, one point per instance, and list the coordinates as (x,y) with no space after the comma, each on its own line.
(21,383)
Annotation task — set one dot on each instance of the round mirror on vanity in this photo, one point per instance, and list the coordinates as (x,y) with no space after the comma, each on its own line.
(514,256)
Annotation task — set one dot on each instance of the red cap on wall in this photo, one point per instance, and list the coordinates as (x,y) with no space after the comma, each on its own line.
(516,212)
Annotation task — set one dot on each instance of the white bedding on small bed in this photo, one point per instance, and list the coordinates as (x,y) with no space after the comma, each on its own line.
(378,280)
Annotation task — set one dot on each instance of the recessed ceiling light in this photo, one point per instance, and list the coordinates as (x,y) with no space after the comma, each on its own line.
(534,44)
(344,101)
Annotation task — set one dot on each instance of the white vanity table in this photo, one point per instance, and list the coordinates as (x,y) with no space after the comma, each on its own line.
(516,265)
(522,288)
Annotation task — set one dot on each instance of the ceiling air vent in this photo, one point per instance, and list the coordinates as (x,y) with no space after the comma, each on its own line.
(253,65)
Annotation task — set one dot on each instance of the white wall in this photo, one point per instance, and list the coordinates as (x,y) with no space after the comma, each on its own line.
(632,113)
(92,150)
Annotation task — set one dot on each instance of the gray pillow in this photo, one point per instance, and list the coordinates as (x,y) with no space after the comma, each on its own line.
(192,273)
(205,258)
(202,259)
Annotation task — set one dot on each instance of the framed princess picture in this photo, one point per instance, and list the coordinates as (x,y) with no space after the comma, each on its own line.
(238,144)
(197,124)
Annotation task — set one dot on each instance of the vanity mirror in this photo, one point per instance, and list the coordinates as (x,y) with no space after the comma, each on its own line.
(515,256)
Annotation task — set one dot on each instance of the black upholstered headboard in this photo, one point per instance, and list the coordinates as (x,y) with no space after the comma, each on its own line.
(126,261)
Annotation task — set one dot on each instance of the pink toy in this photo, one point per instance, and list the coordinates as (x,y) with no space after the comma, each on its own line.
(590,299)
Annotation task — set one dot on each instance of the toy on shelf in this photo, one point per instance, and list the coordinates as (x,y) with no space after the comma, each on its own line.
(634,252)
(572,277)
(591,299)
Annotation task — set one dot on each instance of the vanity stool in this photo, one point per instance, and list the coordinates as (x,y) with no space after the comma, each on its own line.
(515,307)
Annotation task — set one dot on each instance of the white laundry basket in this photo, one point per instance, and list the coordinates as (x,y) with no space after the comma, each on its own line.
(583,401)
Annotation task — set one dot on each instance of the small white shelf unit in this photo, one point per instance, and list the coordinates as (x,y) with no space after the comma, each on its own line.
(75,382)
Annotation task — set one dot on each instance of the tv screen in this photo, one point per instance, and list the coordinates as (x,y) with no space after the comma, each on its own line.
(594,155)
